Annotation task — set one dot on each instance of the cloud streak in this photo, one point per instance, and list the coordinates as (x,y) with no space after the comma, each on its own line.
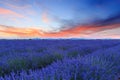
(20,32)
(7,12)
(85,31)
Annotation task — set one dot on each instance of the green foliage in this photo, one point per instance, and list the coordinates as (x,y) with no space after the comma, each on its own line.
(45,60)
(18,64)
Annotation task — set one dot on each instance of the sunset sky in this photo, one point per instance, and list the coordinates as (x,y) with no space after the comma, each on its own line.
(87,19)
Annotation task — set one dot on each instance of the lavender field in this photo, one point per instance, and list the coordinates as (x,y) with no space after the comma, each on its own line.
(64,59)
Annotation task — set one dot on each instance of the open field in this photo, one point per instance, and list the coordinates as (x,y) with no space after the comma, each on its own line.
(63,59)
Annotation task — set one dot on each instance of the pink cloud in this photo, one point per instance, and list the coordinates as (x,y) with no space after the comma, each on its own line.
(45,17)
(8,12)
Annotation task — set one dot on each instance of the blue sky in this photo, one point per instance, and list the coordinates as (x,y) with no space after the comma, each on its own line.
(54,16)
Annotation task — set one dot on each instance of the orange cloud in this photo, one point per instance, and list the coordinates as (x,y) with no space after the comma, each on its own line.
(20,32)
(82,31)
(86,31)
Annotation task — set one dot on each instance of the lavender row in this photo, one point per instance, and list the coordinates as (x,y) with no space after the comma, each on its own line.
(103,64)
